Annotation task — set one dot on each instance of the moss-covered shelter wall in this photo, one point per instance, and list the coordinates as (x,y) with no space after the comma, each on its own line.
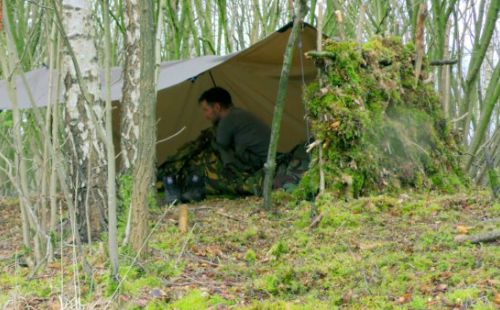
(381,127)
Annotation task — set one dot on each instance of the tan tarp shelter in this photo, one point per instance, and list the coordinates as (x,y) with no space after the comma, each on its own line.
(251,76)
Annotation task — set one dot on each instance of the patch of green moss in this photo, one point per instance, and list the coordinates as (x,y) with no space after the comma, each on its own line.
(460,296)
(282,282)
(197,299)
(382,129)
(283,305)
(279,249)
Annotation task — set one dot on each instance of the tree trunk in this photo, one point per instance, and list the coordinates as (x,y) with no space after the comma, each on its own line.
(144,170)
(131,94)
(270,165)
(84,117)
(19,161)
(1,15)
(110,147)
(20,179)
(420,41)
(491,100)
(482,41)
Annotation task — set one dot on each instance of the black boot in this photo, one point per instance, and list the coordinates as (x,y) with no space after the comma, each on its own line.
(172,190)
(195,189)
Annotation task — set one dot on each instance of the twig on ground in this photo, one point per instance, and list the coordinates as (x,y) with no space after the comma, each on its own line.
(196,257)
(202,208)
(229,216)
(316,221)
(254,212)
(184,245)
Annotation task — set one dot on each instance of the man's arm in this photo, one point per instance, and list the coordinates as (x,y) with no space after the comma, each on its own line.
(225,132)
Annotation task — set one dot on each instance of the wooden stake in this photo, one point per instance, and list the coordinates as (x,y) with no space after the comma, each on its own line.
(183,218)
(319,47)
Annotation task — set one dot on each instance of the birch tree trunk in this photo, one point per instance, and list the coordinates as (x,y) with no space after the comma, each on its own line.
(84,117)
(130,96)
(131,79)
(144,170)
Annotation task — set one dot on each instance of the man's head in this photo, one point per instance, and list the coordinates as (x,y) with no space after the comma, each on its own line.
(215,103)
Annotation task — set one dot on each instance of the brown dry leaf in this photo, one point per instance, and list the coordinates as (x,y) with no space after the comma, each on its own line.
(405,298)
(213,250)
(54,265)
(446,274)
(497,299)
(441,287)
(426,289)
(493,282)
(335,125)
(197,250)
(463,230)
(346,298)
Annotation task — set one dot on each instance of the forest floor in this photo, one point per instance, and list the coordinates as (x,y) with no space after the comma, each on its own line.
(370,253)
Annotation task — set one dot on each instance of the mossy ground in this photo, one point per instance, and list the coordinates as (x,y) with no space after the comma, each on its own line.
(377,252)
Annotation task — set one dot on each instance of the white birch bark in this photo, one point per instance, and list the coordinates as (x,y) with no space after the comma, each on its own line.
(84,113)
(131,96)
(131,92)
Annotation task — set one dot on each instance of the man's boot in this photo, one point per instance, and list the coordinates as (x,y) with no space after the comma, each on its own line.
(172,190)
(195,189)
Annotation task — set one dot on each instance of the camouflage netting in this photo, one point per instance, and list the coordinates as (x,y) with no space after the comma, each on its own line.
(381,130)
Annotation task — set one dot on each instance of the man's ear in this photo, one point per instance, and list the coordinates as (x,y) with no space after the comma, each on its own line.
(217,107)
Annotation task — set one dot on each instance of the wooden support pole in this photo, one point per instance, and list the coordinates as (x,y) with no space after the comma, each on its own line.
(183,218)
(270,164)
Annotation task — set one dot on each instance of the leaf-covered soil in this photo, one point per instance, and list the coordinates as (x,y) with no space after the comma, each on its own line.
(371,253)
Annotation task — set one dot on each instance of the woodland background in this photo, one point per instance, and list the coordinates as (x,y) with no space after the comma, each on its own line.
(57,161)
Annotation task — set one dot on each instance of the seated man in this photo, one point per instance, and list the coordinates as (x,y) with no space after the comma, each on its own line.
(225,159)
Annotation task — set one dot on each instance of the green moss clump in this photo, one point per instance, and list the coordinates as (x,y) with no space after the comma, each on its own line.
(197,299)
(382,128)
